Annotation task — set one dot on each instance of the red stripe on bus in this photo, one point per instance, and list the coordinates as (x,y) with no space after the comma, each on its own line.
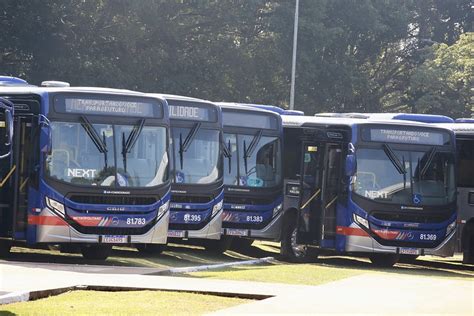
(351,231)
(46,220)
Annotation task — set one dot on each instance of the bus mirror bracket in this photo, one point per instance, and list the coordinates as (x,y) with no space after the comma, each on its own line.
(351,165)
(45,134)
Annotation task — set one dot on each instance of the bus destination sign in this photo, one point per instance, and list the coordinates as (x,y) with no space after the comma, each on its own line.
(189,113)
(408,136)
(109,107)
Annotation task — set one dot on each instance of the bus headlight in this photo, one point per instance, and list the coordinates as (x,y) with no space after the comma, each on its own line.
(163,209)
(55,206)
(277,209)
(450,228)
(361,221)
(217,207)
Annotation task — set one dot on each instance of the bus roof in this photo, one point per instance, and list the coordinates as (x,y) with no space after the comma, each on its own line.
(465,120)
(459,128)
(308,121)
(422,118)
(28,89)
(180,98)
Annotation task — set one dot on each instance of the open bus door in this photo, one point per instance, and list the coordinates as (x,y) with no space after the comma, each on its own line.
(7,168)
(320,183)
(320,157)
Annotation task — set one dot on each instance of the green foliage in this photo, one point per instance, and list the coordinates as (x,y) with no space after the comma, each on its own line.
(443,83)
(352,55)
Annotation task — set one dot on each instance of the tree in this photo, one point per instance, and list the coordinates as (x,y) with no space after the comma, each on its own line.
(443,83)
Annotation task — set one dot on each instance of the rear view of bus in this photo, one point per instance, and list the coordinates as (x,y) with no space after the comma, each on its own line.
(464,130)
(252,174)
(196,169)
(91,168)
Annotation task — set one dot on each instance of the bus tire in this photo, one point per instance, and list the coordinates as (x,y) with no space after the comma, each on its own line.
(468,245)
(151,248)
(5,247)
(289,250)
(384,260)
(96,252)
(241,244)
(408,258)
(218,246)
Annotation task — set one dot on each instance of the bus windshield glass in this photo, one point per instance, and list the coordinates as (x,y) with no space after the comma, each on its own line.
(108,155)
(407,177)
(255,160)
(196,155)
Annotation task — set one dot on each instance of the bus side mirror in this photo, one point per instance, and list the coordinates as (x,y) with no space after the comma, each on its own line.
(351,165)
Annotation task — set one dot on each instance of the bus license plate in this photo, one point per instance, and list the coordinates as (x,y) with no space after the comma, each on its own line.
(409,251)
(236,232)
(176,233)
(114,239)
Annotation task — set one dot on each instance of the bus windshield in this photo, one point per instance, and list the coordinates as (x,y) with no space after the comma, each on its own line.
(255,160)
(196,155)
(413,177)
(99,154)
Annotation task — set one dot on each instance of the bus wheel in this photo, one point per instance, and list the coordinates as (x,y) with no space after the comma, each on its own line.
(96,252)
(289,249)
(408,258)
(218,246)
(384,260)
(241,244)
(4,249)
(468,251)
(151,248)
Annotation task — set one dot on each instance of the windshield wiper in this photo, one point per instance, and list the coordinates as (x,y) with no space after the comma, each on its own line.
(253,144)
(227,152)
(394,159)
(184,146)
(132,138)
(99,143)
(428,162)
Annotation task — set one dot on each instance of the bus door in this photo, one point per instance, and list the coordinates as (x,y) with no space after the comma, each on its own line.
(6,168)
(22,155)
(320,182)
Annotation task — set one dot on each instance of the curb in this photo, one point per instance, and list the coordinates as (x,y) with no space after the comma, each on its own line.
(215,266)
(25,296)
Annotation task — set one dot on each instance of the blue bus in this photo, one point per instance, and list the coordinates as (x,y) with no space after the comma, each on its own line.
(90,168)
(464,130)
(197,192)
(375,188)
(252,174)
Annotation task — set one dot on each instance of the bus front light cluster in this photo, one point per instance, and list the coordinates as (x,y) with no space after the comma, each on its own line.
(217,207)
(163,209)
(361,221)
(277,209)
(450,228)
(55,206)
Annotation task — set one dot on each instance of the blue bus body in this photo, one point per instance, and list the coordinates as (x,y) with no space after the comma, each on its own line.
(197,192)
(253,173)
(379,187)
(91,168)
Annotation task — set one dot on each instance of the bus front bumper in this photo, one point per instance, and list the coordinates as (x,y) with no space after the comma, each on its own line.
(369,245)
(270,232)
(211,231)
(56,231)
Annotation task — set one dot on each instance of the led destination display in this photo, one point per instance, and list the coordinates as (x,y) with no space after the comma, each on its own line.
(103,106)
(189,112)
(406,136)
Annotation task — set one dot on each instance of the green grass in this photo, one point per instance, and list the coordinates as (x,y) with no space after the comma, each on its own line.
(123,303)
(305,274)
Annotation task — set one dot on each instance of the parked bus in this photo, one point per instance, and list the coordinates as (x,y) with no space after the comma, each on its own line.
(252,174)
(196,169)
(89,168)
(375,188)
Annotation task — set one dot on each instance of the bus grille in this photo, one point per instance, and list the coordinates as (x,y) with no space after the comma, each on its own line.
(113,200)
(411,217)
(190,199)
